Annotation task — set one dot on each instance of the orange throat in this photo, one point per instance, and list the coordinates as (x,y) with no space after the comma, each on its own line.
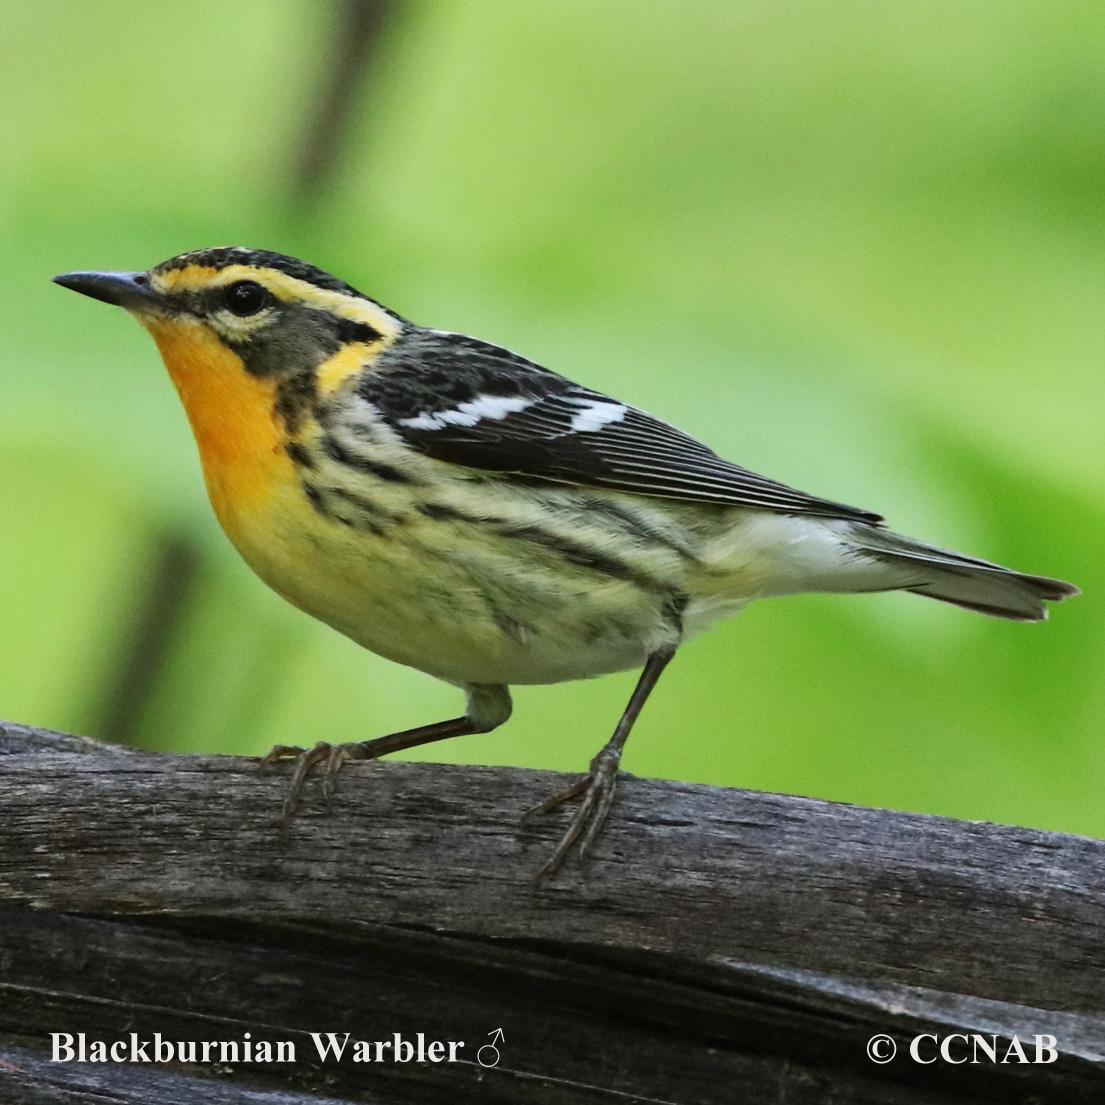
(241,442)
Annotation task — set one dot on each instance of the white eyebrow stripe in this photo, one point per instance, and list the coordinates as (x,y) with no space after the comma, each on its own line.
(596,414)
(494,407)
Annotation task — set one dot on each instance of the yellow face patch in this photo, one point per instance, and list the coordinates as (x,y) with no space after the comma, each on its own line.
(348,361)
(231,372)
(241,443)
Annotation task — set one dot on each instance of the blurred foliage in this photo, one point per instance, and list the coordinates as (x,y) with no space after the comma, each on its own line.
(857,247)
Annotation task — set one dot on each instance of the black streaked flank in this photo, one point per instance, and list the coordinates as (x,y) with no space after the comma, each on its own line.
(299,455)
(582,556)
(364,504)
(625,520)
(442,512)
(315,496)
(336,451)
(319,500)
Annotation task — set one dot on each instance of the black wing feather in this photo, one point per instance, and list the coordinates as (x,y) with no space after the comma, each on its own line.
(422,383)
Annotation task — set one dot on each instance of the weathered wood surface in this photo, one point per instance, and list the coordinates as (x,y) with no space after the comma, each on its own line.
(723,946)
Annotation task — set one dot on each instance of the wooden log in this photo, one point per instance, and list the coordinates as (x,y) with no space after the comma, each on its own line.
(722,946)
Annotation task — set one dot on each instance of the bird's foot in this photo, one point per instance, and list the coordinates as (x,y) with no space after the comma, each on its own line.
(305,759)
(596,790)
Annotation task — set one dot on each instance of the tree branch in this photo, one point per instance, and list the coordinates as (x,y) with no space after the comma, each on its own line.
(721,940)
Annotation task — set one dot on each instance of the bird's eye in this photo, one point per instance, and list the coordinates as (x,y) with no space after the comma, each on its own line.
(245,298)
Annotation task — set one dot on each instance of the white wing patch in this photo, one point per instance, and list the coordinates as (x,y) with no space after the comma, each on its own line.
(596,414)
(494,407)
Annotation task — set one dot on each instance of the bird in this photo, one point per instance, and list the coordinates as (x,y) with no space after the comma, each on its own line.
(458,508)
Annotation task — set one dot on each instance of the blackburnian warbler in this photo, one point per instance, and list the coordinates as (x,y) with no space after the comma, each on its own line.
(455,507)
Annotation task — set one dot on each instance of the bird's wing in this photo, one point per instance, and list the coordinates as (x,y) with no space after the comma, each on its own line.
(470,403)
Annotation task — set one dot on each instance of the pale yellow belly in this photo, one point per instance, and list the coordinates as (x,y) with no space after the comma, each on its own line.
(439,599)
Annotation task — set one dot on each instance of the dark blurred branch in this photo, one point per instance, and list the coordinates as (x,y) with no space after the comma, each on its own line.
(358,32)
(164,601)
(723,945)
(160,610)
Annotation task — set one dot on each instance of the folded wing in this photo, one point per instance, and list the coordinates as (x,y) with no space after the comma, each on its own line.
(506,414)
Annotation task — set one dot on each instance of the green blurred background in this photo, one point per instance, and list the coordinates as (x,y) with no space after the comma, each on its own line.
(858,247)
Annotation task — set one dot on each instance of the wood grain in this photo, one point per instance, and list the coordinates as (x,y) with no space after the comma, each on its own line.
(722,946)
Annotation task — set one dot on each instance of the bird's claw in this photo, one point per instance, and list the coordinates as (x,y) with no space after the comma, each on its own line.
(305,759)
(597,789)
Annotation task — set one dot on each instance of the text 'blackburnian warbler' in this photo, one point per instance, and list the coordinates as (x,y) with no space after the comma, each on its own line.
(457,508)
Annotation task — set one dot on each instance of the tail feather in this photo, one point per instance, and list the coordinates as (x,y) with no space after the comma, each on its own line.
(964,580)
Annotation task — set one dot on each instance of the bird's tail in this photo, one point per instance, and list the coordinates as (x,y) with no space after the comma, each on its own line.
(962,580)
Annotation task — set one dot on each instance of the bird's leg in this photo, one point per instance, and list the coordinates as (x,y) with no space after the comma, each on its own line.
(336,755)
(597,787)
(488,707)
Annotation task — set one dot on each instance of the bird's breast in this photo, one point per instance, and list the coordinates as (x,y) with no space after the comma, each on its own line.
(233,419)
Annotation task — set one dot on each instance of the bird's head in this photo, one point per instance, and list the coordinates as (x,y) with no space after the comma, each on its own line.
(255,342)
(220,313)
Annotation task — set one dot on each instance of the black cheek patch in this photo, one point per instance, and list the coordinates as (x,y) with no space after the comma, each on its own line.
(297,339)
(289,346)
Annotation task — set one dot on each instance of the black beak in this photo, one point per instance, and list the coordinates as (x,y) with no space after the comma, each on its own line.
(123,289)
